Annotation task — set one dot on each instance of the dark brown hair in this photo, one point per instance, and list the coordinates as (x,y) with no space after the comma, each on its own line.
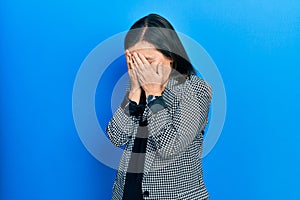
(159,32)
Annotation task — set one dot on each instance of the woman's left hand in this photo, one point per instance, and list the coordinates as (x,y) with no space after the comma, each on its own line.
(153,76)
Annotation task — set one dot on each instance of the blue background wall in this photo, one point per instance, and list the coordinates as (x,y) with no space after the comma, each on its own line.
(255,45)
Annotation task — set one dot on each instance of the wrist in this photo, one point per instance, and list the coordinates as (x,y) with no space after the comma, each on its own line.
(134,95)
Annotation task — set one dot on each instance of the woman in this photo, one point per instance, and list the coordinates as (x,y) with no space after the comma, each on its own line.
(162,118)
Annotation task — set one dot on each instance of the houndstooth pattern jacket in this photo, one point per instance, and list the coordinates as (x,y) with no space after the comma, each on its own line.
(172,168)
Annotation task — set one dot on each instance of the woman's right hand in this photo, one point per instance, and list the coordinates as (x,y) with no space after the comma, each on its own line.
(135,91)
(132,74)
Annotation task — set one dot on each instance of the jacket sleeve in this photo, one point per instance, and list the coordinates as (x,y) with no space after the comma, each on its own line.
(121,126)
(190,116)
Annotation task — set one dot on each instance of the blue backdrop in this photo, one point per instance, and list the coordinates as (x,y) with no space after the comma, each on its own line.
(255,45)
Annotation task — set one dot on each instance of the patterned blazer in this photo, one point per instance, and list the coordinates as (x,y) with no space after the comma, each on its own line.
(172,168)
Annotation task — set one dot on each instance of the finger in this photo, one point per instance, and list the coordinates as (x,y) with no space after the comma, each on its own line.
(127,53)
(131,71)
(143,59)
(137,67)
(160,69)
(141,80)
(154,65)
(131,74)
(135,73)
(134,62)
(146,65)
(128,61)
(139,74)
(138,60)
